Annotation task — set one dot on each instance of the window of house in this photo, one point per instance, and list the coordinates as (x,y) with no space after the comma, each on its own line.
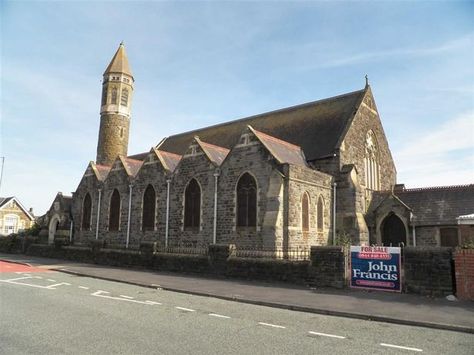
(192,205)
(305,212)
(371,166)
(114,213)
(448,237)
(246,201)
(10,224)
(149,207)
(124,97)
(86,212)
(114,96)
(320,214)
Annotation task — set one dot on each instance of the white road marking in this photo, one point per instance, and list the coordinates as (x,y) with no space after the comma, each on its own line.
(19,272)
(24,284)
(153,302)
(51,280)
(84,287)
(59,284)
(328,335)
(185,309)
(99,294)
(130,298)
(401,347)
(19,278)
(272,325)
(37,277)
(218,315)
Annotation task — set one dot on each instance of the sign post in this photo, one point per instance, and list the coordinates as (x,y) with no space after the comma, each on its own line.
(376,268)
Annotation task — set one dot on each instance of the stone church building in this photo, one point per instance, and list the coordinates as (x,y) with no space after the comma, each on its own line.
(299,176)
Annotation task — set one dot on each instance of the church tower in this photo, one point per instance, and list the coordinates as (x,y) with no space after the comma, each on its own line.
(115,108)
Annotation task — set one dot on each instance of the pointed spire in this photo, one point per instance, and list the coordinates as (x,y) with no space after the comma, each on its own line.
(119,63)
(366,81)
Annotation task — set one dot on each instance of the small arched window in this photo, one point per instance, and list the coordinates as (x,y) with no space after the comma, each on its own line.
(104,96)
(149,207)
(86,212)
(114,213)
(114,96)
(192,205)
(305,212)
(246,201)
(124,97)
(320,214)
(371,166)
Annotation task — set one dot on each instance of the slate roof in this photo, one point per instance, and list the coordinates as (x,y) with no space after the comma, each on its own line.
(103,171)
(5,200)
(315,126)
(131,165)
(438,205)
(168,160)
(119,63)
(283,151)
(215,153)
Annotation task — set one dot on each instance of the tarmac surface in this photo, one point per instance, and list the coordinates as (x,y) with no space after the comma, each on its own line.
(395,308)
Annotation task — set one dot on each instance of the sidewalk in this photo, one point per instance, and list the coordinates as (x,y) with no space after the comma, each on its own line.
(378,306)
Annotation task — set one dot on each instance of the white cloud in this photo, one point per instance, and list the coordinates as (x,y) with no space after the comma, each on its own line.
(442,156)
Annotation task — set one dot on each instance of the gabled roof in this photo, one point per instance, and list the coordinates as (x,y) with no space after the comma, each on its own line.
(168,160)
(100,171)
(215,153)
(283,151)
(315,126)
(438,205)
(4,201)
(119,63)
(131,165)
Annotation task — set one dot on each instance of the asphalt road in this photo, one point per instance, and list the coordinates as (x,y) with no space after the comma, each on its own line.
(47,312)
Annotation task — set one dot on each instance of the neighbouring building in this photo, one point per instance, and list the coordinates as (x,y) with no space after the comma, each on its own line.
(299,176)
(14,217)
(57,222)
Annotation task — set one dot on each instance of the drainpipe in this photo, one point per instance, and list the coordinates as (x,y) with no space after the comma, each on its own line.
(70,231)
(168,182)
(334,185)
(414,235)
(98,216)
(129,214)
(214,234)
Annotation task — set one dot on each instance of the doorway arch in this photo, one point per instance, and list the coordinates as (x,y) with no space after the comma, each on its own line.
(393,231)
(53,227)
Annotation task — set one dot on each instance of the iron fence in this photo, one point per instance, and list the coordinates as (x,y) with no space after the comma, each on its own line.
(290,254)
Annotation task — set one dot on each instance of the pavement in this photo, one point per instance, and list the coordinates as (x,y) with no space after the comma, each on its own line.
(408,309)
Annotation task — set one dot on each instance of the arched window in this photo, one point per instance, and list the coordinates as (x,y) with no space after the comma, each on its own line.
(371,165)
(114,214)
(246,201)
(104,96)
(305,212)
(114,96)
(124,97)
(86,212)
(192,205)
(320,214)
(149,207)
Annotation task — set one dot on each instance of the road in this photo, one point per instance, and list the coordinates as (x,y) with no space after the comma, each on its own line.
(48,312)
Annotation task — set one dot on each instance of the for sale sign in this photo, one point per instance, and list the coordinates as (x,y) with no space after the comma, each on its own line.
(376,268)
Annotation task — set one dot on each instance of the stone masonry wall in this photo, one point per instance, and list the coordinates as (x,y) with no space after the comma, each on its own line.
(151,173)
(254,159)
(316,184)
(113,138)
(464,266)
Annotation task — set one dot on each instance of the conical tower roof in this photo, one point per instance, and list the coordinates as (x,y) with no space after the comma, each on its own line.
(119,63)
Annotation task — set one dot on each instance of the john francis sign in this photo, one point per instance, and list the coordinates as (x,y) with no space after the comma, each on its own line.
(376,268)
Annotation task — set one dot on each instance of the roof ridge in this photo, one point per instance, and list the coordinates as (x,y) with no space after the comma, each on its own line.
(278,139)
(289,108)
(214,146)
(437,188)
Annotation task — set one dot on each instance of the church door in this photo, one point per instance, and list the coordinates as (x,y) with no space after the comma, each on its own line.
(53,227)
(393,231)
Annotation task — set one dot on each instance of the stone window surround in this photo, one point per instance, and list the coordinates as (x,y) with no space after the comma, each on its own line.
(119,213)
(306,193)
(246,229)
(189,229)
(156,209)
(82,212)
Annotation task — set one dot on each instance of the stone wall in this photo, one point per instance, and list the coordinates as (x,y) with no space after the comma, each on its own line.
(428,271)
(464,267)
(113,138)
(317,185)
(427,236)
(328,266)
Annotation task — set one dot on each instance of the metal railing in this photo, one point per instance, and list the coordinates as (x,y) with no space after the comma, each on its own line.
(290,253)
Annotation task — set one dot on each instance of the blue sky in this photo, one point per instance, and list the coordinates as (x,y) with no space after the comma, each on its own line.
(201,63)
